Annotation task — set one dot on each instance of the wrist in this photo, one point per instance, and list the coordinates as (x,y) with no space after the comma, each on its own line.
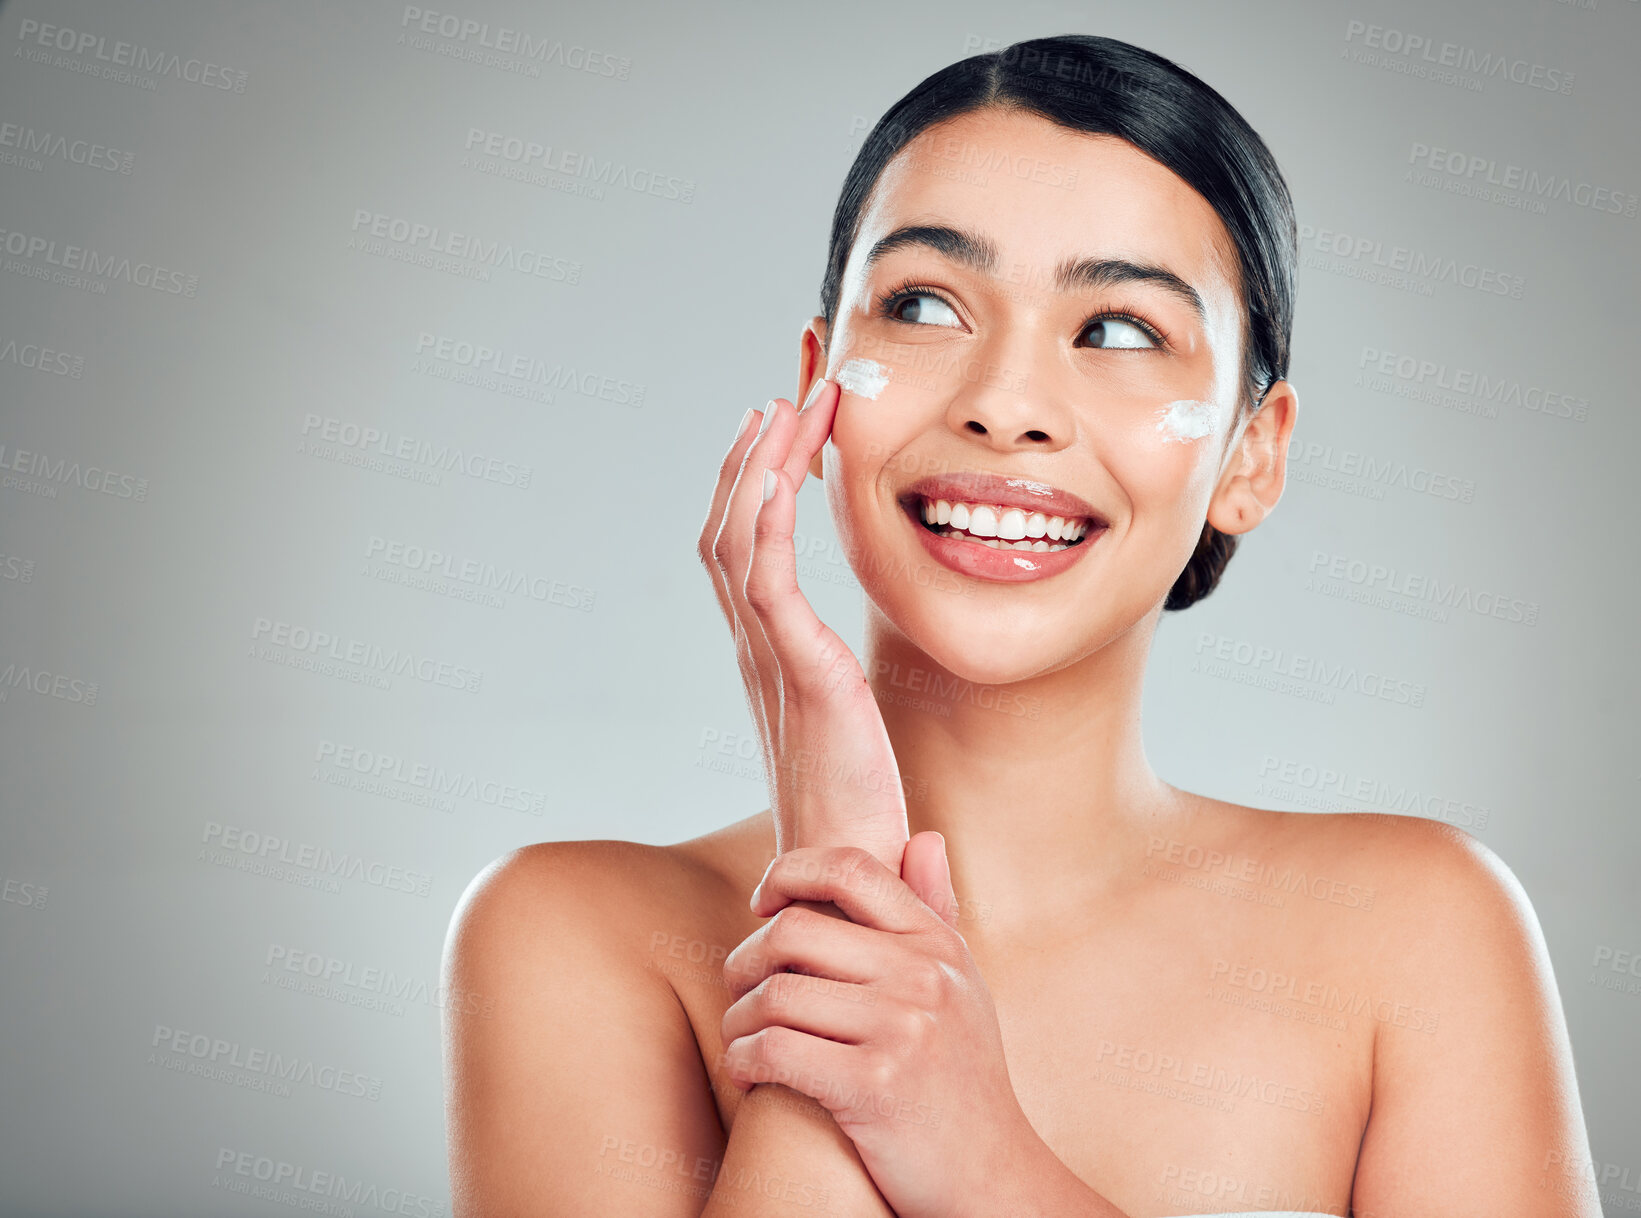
(1027,1179)
(884,838)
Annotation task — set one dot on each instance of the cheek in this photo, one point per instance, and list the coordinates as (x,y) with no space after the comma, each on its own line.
(869,435)
(882,409)
(1166,458)
(914,377)
(1186,421)
(1181,436)
(863,378)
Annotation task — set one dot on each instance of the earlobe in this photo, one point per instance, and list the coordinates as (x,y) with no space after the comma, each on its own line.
(1257,467)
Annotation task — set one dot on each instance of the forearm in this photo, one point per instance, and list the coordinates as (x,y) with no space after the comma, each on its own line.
(1044,1187)
(787,1158)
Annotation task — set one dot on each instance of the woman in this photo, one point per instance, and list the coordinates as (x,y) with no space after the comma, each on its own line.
(1050,367)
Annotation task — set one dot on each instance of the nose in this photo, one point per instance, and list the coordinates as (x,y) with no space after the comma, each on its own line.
(1011,408)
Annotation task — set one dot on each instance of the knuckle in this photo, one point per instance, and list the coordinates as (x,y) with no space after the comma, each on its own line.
(769,1045)
(928,979)
(855,866)
(911,1026)
(765,953)
(951,949)
(927,987)
(880,1073)
(778,927)
(789,925)
(779,989)
(859,856)
(760,592)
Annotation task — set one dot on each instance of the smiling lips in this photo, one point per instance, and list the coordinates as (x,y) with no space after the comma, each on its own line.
(1005,513)
(961,515)
(1005,528)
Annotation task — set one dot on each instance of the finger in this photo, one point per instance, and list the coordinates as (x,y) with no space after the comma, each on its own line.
(771,591)
(851,878)
(809,651)
(769,448)
(928,872)
(791,450)
(837,1010)
(728,470)
(790,624)
(808,1064)
(815,420)
(803,940)
(787,440)
(732,548)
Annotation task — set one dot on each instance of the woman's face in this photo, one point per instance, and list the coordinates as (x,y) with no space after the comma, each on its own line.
(1056,311)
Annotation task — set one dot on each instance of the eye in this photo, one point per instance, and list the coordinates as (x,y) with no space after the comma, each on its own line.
(922,308)
(1116,332)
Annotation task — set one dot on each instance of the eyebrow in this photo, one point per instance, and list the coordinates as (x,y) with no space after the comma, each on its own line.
(980,254)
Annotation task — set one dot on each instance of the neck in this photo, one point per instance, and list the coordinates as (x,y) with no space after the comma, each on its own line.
(1040,787)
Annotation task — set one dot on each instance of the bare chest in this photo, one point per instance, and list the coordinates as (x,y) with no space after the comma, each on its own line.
(1174,1081)
(1175,1091)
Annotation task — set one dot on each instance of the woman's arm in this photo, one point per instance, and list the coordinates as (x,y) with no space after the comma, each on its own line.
(1481,1117)
(817,718)
(884,1018)
(573,1079)
(787,1158)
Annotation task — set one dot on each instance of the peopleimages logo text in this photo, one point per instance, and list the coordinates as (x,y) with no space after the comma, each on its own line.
(130,55)
(1485,64)
(1472,167)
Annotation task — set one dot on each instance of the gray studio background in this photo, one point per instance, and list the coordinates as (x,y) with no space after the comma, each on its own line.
(205,306)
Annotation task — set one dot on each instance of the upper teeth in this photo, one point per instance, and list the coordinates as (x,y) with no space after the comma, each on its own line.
(1004,523)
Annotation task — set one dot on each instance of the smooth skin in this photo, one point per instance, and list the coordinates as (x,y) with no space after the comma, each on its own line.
(1145,1001)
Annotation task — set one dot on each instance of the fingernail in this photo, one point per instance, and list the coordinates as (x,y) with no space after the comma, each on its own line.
(762,880)
(769,485)
(814,393)
(745,419)
(769,413)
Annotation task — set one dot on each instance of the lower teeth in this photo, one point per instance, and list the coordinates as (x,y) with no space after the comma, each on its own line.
(998,544)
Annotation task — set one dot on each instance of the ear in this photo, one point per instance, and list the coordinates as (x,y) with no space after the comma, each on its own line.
(1256,466)
(811,367)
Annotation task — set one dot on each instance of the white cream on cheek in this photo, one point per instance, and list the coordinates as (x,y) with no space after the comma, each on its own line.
(1185,420)
(862,377)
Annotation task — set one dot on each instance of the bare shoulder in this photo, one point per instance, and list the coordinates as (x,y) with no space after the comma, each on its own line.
(571,1067)
(605,893)
(1430,896)
(1404,904)
(1435,869)
(1475,1102)
(1410,867)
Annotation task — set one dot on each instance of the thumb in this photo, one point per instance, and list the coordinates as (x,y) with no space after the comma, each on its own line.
(928,872)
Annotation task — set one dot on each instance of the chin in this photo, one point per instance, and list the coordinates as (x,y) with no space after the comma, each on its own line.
(996,635)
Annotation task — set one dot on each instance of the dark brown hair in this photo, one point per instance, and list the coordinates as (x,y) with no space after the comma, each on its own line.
(1101,86)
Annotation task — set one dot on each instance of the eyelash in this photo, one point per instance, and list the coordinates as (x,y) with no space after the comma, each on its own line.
(891,299)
